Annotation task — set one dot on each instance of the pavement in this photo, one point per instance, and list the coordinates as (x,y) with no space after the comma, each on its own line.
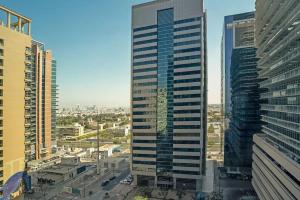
(235,189)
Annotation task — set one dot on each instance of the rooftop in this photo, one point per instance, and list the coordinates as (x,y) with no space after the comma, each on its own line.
(14,21)
(2,8)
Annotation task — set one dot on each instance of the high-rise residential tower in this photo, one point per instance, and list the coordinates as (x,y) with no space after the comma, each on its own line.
(15,115)
(276,151)
(169,93)
(43,91)
(241,70)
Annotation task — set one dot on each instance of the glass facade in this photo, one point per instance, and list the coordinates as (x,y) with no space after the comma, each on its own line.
(244,120)
(165,73)
(53,100)
(276,149)
(241,82)
(168,95)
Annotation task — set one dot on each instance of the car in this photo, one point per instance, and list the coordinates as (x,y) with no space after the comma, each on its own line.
(105,183)
(106,195)
(125,181)
(112,178)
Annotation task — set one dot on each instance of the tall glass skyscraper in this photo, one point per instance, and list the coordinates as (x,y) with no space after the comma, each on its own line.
(227,45)
(169,99)
(242,83)
(276,151)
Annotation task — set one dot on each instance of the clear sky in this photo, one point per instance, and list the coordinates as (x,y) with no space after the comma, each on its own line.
(90,40)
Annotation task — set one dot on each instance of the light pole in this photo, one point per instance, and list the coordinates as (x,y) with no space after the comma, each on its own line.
(98,145)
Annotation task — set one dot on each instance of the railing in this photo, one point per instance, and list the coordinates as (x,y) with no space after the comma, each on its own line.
(295,109)
(286,124)
(290,74)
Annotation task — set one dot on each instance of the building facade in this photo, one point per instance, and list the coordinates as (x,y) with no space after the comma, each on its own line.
(231,29)
(169,98)
(15,44)
(43,101)
(244,103)
(276,151)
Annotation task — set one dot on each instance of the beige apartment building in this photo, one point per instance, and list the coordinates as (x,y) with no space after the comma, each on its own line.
(15,44)
(27,95)
(41,101)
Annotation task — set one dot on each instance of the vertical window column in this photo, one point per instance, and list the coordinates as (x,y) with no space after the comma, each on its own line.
(165,92)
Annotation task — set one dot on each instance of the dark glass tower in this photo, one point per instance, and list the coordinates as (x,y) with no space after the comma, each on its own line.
(243,89)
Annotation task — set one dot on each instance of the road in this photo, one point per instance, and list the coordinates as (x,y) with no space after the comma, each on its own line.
(102,190)
(235,189)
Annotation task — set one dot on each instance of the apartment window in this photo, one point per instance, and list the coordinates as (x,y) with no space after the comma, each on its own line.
(145,70)
(1,102)
(1,143)
(144,162)
(145,49)
(144,28)
(1,113)
(1,72)
(1,63)
(1,42)
(1,153)
(1,82)
(188,27)
(1,52)
(1,134)
(144,35)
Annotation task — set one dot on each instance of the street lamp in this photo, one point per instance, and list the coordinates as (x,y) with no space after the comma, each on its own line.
(98,145)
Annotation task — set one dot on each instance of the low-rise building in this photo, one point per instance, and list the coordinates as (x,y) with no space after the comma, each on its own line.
(106,150)
(70,131)
(113,163)
(68,168)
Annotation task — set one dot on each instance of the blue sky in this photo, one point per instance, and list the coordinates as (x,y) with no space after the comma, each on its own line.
(91,41)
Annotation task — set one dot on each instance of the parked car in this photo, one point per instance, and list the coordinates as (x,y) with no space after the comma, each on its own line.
(112,178)
(104,183)
(106,195)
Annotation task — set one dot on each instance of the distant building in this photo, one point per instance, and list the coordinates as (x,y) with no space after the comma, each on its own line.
(70,131)
(276,151)
(169,94)
(244,103)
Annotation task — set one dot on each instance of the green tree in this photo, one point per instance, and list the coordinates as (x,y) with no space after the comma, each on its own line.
(211,129)
(140,198)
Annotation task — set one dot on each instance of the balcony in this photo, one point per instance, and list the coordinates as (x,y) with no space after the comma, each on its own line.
(294,109)
(295,73)
(282,123)
(43,151)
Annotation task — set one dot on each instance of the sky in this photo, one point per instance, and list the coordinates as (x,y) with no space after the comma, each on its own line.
(91,41)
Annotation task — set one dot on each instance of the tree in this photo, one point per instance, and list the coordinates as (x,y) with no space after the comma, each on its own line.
(140,198)
(211,129)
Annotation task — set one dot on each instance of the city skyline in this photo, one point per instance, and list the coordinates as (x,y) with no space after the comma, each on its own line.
(150,99)
(96,53)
